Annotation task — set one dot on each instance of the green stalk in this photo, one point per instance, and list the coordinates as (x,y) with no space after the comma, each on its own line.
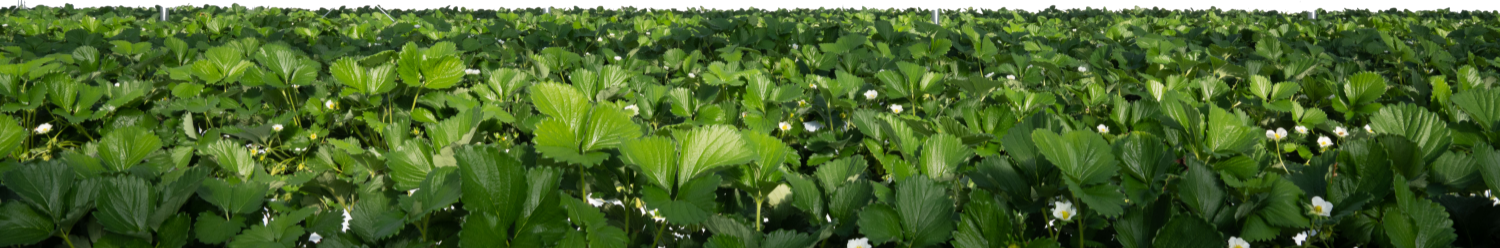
(758,201)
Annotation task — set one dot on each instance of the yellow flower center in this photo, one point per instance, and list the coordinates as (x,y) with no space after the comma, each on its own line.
(1065,214)
(1239,246)
(1318,209)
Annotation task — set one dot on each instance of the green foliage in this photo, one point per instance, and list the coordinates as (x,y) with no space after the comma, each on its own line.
(361,127)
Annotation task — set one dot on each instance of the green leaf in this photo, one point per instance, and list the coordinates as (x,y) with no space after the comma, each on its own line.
(443,73)
(880,223)
(125,204)
(1482,105)
(22,226)
(42,186)
(1488,161)
(1261,86)
(374,218)
(1417,222)
(126,147)
(690,205)
(1227,132)
(1083,156)
(244,197)
(1364,87)
(1456,170)
(214,229)
(926,212)
(942,155)
(492,182)
(409,164)
(1468,78)
(1282,207)
(655,156)
(175,232)
(1426,129)
(708,148)
(232,157)
(1189,231)
(484,229)
(11,135)
(440,189)
(1141,155)
(1200,189)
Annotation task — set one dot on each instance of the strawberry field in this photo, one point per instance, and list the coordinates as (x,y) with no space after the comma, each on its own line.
(641,128)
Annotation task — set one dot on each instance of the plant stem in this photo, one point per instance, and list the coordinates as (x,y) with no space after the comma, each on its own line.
(758,201)
(657,239)
(583,188)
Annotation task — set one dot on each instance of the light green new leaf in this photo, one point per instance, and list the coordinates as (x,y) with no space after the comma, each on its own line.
(607,127)
(1426,129)
(126,147)
(706,149)
(942,155)
(22,226)
(124,205)
(1083,156)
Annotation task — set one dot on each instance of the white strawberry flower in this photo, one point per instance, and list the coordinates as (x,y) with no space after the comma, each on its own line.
(347,218)
(1301,237)
(276,127)
(657,216)
(1301,129)
(1083,69)
(1064,210)
(633,109)
(1341,132)
(1368,129)
(691,75)
(1321,207)
(812,126)
(1102,129)
(330,104)
(859,243)
(1280,133)
(595,201)
(896,108)
(617,58)
(991,74)
(471,71)
(44,128)
(814,86)
(1237,242)
(1324,142)
(315,238)
(1011,77)
(784,126)
(601,39)
(871,94)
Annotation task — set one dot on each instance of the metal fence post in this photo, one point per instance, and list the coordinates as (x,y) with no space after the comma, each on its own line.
(935,17)
(163,12)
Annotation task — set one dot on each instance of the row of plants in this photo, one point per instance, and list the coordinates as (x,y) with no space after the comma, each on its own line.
(370,127)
